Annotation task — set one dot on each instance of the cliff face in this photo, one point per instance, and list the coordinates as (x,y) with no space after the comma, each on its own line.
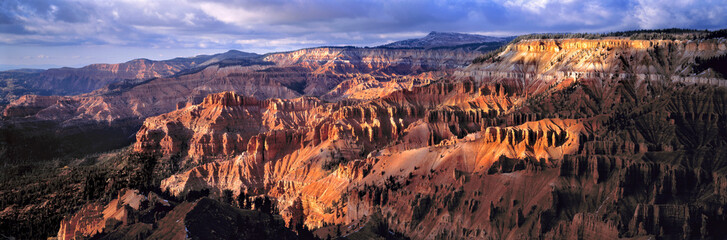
(677,60)
(132,215)
(94,217)
(366,60)
(29,105)
(222,124)
(104,119)
(95,76)
(304,72)
(552,139)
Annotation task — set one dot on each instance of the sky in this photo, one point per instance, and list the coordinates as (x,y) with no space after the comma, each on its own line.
(54,33)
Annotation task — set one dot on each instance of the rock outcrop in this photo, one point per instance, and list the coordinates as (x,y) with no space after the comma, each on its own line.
(223,124)
(368,60)
(561,153)
(207,218)
(132,215)
(550,139)
(108,116)
(96,218)
(313,71)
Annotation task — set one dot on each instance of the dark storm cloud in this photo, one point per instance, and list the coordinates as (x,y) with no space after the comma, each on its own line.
(272,25)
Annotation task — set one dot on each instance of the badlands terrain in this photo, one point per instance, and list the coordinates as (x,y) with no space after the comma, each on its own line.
(451,136)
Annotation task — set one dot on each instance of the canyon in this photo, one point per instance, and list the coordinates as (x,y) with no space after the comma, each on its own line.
(549,138)
(117,110)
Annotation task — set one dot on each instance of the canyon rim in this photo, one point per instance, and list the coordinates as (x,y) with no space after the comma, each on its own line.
(354,120)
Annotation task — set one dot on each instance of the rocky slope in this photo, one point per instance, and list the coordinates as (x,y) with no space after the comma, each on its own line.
(105,118)
(135,216)
(222,124)
(550,139)
(108,117)
(304,72)
(598,58)
(366,60)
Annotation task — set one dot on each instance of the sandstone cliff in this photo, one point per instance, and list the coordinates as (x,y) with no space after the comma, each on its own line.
(135,216)
(549,139)
(104,119)
(552,139)
(304,72)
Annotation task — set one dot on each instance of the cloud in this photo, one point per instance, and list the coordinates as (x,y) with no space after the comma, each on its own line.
(278,42)
(680,13)
(275,12)
(274,25)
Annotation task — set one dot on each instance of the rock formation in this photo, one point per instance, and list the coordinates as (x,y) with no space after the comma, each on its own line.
(512,148)
(151,217)
(305,72)
(94,218)
(549,138)
(118,108)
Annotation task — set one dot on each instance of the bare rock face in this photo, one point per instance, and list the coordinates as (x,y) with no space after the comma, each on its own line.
(549,60)
(223,124)
(585,226)
(78,226)
(104,119)
(498,154)
(342,131)
(305,72)
(553,139)
(367,87)
(94,218)
(132,215)
(29,105)
(366,60)
(104,74)
(207,218)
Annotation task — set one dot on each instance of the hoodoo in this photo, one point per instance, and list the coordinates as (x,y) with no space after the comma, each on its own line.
(449,136)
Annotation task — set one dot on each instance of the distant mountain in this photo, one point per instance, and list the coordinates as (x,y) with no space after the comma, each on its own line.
(70,81)
(232,54)
(24,70)
(446,39)
(14,67)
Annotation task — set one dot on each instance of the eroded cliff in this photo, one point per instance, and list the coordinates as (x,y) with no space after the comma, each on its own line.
(552,138)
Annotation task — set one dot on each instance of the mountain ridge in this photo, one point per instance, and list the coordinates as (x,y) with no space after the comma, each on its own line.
(71,81)
(445,39)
